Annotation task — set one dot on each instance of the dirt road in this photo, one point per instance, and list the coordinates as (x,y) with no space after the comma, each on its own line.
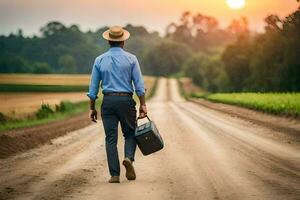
(207,155)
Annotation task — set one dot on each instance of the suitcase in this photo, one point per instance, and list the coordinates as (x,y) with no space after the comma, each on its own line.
(148,138)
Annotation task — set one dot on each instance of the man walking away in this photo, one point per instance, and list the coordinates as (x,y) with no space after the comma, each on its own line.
(117,69)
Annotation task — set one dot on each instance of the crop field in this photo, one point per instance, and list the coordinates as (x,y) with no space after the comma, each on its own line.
(20,105)
(44,79)
(22,94)
(276,103)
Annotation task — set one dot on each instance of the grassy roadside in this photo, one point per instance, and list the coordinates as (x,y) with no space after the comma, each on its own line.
(182,92)
(188,89)
(285,104)
(46,115)
(153,89)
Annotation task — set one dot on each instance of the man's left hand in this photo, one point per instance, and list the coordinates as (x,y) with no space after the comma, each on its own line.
(143,111)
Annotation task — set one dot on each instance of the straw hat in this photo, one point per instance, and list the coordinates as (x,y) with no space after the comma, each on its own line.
(116,33)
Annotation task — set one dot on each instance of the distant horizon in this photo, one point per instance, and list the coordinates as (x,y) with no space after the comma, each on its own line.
(154,15)
(80,28)
(160,32)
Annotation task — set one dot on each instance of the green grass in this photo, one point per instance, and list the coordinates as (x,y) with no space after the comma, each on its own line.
(182,92)
(42,88)
(197,95)
(71,109)
(153,89)
(276,103)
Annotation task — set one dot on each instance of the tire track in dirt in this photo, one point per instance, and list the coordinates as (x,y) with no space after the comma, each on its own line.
(278,167)
(207,155)
(276,163)
(28,172)
(287,129)
(23,139)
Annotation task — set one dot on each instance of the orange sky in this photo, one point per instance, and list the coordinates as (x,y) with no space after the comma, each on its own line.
(30,15)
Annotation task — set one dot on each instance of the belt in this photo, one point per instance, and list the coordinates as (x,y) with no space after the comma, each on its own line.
(118,94)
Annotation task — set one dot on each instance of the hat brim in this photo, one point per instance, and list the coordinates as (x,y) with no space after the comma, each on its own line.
(124,37)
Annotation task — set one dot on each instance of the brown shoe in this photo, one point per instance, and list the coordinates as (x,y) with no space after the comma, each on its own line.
(114,179)
(130,173)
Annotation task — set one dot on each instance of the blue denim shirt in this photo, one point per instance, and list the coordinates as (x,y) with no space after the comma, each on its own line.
(116,69)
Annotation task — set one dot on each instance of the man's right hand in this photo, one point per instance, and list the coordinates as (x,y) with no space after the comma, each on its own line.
(143,111)
(93,115)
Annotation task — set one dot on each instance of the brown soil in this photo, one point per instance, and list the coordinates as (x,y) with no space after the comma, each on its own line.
(19,140)
(289,127)
(208,154)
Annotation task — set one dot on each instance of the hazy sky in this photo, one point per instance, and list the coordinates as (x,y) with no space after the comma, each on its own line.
(30,15)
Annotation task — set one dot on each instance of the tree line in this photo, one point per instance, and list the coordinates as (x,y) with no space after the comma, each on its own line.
(261,62)
(235,59)
(217,59)
(62,49)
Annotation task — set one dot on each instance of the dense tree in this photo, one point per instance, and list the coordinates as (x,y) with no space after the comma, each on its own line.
(64,49)
(194,68)
(41,68)
(268,62)
(67,63)
(236,63)
(166,58)
(14,64)
(263,62)
(200,32)
(206,71)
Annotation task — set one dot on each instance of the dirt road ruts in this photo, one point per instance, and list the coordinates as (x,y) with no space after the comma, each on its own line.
(207,155)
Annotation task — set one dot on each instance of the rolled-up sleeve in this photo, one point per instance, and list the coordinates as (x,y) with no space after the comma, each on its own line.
(138,78)
(95,81)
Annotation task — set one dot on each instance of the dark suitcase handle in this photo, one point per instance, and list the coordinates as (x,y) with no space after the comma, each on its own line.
(142,126)
(147,118)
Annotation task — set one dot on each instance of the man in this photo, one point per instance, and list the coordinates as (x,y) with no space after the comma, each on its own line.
(116,70)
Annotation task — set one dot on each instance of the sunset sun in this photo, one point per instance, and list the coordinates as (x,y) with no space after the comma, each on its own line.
(236,4)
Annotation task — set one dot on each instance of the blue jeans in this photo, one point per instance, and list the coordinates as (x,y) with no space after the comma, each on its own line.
(115,109)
